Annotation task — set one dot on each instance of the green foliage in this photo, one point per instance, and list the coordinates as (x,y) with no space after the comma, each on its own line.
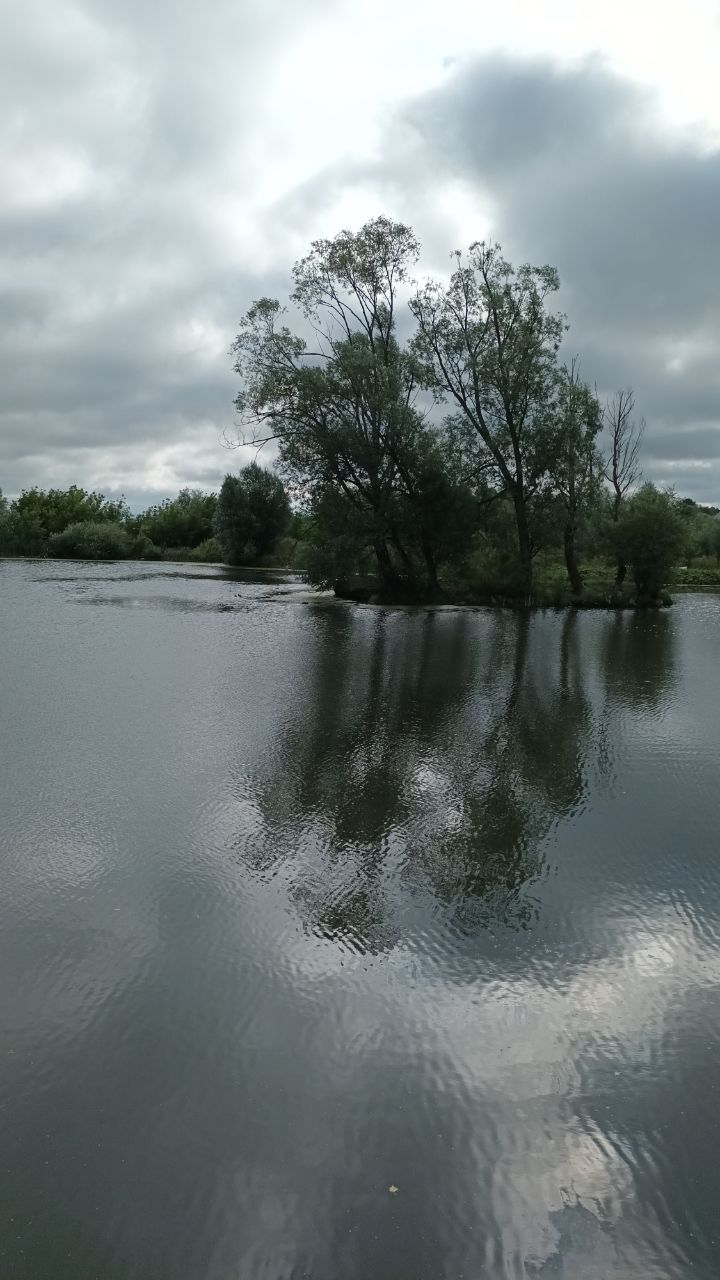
(702,530)
(650,536)
(575,466)
(26,535)
(345,414)
(437,513)
(185,521)
(339,544)
(143,548)
(252,511)
(55,509)
(208,552)
(290,553)
(300,525)
(697,575)
(488,345)
(37,514)
(4,525)
(91,540)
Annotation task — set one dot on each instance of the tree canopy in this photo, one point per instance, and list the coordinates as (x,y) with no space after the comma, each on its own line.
(421,423)
(252,511)
(184,521)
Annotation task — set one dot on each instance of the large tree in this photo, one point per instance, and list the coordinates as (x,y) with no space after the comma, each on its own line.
(622,466)
(342,407)
(252,511)
(650,535)
(576,464)
(489,345)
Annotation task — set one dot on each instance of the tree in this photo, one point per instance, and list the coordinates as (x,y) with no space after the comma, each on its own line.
(702,529)
(622,469)
(438,516)
(344,411)
(650,536)
(577,466)
(38,513)
(252,511)
(185,521)
(55,509)
(489,344)
(5,526)
(710,538)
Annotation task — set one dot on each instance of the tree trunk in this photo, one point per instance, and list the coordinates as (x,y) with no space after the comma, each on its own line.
(430,566)
(404,557)
(524,546)
(387,573)
(621,570)
(571,563)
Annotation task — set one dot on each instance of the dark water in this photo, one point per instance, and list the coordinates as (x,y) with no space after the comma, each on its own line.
(303,902)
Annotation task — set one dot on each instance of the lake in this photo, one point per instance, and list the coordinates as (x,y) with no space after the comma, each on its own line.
(354,944)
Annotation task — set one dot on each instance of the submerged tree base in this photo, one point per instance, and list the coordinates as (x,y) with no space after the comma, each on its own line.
(371,591)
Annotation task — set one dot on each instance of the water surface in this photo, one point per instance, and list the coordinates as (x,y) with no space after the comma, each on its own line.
(302,902)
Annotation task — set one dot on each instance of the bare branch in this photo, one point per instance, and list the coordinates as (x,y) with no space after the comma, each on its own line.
(622,468)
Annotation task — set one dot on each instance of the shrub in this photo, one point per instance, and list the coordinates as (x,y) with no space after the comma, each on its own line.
(143,548)
(650,537)
(177,555)
(185,521)
(209,552)
(697,576)
(91,540)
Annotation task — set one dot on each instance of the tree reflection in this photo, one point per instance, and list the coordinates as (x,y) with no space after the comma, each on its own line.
(424,763)
(638,656)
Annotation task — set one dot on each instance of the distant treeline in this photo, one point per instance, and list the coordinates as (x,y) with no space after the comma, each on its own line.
(240,525)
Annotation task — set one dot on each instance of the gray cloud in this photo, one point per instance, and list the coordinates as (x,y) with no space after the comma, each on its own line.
(130,142)
(580,174)
(132,237)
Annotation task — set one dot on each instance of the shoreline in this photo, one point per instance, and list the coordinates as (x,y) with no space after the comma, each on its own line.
(607,600)
(366,592)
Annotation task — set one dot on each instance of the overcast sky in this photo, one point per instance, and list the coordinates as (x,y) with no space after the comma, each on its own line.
(163,164)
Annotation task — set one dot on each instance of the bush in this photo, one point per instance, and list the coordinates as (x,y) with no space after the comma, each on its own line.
(143,548)
(697,576)
(185,521)
(209,552)
(650,536)
(90,540)
(337,560)
(176,555)
(287,553)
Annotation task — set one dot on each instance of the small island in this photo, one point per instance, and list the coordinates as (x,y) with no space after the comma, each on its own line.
(428,443)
